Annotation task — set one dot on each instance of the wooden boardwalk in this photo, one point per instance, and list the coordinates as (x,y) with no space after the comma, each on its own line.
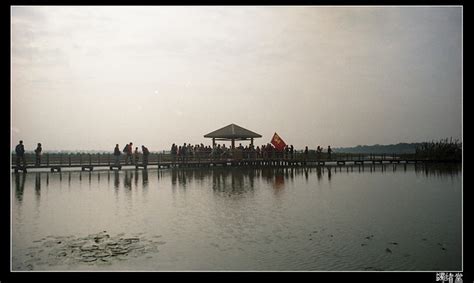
(57,162)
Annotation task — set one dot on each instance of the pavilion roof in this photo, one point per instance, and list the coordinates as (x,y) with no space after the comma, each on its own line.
(232,131)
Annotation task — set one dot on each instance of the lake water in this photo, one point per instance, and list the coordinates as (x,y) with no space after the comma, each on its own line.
(382,217)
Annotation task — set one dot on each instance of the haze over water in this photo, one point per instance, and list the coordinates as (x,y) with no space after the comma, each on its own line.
(390,217)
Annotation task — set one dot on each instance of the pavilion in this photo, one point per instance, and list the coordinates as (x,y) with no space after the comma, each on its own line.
(232,133)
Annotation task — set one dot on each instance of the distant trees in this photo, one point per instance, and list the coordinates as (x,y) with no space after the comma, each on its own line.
(440,150)
(444,149)
(400,148)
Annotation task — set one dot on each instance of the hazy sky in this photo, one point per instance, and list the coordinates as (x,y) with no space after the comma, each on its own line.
(90,77)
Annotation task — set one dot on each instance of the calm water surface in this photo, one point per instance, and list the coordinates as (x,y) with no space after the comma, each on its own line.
(383,217)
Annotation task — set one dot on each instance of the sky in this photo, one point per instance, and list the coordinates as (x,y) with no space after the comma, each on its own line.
(87,78)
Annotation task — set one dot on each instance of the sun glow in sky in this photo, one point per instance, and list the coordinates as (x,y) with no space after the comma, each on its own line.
(90,77)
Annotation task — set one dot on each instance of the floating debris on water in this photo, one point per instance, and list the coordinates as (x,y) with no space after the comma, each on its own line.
(99,248)
(393,243)
(388,250)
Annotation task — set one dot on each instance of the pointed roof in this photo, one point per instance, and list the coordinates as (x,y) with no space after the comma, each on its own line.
(232,131)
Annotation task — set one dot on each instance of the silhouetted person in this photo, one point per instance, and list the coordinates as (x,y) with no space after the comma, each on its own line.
(128,150)
(136,155)
(329,151)
(145,155)
(318,152)
(117,154)
(292,150)
(306,153)
(174,152)
(20,154)
(38,155)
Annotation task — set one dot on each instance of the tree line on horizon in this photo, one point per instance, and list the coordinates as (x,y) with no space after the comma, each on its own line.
(399,148)
(441,149)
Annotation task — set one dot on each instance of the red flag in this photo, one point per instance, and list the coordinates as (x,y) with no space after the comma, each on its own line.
(278,143)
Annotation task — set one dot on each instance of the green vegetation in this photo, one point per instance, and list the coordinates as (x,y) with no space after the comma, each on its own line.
(400,148)
(440,150)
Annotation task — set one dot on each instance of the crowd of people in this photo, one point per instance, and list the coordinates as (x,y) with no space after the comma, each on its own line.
(130,155)
(187,152)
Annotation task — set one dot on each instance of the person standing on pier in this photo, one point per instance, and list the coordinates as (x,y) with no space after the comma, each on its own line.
(128,149)
(292,150)
(145,155)
(329,152)
(174,152)
(318,152)
(38,155)
(20,154)
(136,155)
(117,154)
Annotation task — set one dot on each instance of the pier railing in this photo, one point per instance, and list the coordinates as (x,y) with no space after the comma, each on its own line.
(165,157)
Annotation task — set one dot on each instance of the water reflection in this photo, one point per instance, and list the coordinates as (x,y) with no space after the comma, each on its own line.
(19,186)
(136,178)
(180,176)
(116,179)
(144,178)
(238,180)
(38,186)
(127,183)
(319,173)
(438,170)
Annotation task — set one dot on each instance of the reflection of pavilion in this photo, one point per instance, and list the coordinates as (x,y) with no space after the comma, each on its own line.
(232,133)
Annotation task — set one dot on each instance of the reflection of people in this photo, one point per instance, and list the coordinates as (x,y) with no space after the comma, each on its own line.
(20,154)
(38,184)
(116,179)
(136,178)
(38,155)
(127,181)
(145,178)
(19,186)
(319,173)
